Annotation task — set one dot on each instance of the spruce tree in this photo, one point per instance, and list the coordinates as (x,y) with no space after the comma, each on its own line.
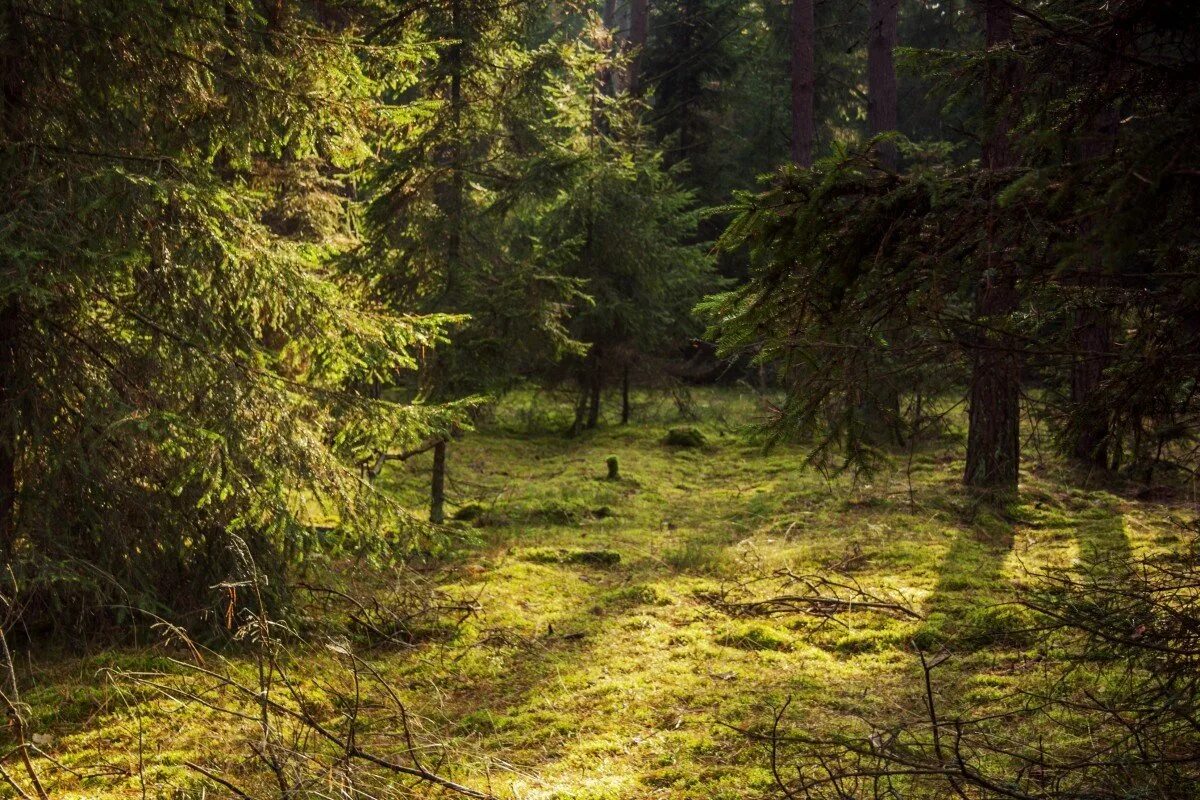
(630,229)
(178,338)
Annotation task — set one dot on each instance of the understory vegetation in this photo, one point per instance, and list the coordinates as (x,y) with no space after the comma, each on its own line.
(692,629)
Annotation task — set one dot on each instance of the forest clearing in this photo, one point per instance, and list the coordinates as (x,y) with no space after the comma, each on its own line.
(596,640)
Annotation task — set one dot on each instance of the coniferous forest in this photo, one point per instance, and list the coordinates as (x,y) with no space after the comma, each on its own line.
(552,400)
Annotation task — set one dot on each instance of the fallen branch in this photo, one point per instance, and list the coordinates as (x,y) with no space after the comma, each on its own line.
(821,597)
(818,605)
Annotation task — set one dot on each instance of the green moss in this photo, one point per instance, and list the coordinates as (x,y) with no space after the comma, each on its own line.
(629,596)
(870,640)
(695,556)
(592,658)
(592,558)
(998,625)
(754,636)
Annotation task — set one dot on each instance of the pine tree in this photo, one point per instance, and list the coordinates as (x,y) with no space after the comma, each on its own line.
(446,230)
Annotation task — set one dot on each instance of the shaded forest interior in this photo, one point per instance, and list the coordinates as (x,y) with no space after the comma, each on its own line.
(600,401)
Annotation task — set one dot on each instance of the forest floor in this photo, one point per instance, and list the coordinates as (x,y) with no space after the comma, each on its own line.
(603,657)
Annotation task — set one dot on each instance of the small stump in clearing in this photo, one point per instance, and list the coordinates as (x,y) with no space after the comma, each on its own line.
(614,468)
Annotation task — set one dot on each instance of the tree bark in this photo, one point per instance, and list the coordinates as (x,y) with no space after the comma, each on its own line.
(993,436)
(881,75)
(596,384)
(581,403)
(609,18)
(803,82)
(639,24)
(1092,335)
(437,485)
(880,405)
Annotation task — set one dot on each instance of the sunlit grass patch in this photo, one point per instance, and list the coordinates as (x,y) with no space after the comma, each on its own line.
(595,664)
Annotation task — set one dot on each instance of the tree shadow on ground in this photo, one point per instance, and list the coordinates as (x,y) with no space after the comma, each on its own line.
(973,604)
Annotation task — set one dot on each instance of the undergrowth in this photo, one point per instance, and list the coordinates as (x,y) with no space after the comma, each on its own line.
(571,647)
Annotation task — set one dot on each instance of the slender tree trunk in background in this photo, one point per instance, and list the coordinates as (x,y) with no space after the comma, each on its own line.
(880,405)
(437,485)
(1092,335)
(581,404)
(609,18)
(12,74)
(993,438)
(803,82)
(457,179)
(639,24)
(594,387)
(625,396)
(454,223)
(881,75)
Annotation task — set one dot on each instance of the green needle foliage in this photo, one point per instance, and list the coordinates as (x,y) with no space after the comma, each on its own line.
(451,222)
(179,345)
(628,222)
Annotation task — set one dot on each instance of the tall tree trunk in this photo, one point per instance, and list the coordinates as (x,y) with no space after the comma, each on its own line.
(803,82)
(1092,335)
(12,74)
(880,404)
(993,437)
(881,74)
(581,405)
(609,18)
(639,24)
(437,485)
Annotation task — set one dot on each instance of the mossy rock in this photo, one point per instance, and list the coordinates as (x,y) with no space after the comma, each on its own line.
(685,437)
(999,625)
(469,513)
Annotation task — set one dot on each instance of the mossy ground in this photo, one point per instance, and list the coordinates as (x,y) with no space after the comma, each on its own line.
(597,665)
